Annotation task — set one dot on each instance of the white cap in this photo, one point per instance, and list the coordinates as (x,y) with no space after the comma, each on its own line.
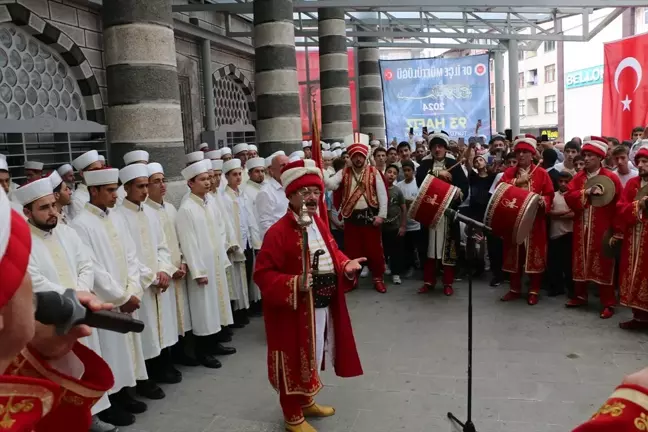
(64,169)
(102,158)
(131,172)
(238,148)
(217,164)
(33,165)
(225,150)
(203,146)
(136,156)
(154,168)
(85,160)
(207,163)
(296,155)
(32,191)
(101,177)
(55,179)
(257,162)
(326,146)
(306,144)
(327,154)
(337,153)
(213,154)
(231,165)
(4,166)
(268,160)
(194,157)
(336,145)
(252,147)
(193,170)
(374,143)
(3,156)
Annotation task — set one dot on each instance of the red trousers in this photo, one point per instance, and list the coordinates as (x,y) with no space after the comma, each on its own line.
(516,278)
(429,273)
(606,293)
(292,406)
(365,241)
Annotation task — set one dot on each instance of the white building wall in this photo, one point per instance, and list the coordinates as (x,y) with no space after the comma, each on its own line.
(583,105)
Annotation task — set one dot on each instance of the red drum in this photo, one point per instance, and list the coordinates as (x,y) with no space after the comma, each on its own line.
(511,212)
(434,198)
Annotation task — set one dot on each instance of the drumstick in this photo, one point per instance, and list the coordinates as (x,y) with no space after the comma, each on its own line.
(535,168)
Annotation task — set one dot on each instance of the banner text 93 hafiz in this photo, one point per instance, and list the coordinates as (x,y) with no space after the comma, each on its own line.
(440,94)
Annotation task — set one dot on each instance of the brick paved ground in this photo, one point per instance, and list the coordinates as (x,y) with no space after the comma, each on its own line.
(537,369)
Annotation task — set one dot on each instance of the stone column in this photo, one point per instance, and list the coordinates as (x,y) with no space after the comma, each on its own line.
(372,110)
(334,75)
(275,77)
(142,79)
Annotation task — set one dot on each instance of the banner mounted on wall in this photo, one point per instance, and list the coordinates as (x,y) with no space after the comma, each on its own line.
(436,93)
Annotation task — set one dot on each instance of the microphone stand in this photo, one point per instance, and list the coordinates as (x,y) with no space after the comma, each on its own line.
(468,426)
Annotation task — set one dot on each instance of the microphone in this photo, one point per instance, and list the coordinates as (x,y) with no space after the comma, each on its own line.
(455,215)
(66,311)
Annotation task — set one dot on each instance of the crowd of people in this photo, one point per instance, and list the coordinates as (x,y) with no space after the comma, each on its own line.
(187,272)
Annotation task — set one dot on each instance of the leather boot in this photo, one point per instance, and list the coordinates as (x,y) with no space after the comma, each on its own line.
(301,427)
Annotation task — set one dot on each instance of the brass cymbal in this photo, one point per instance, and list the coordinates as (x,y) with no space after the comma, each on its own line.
(607,185)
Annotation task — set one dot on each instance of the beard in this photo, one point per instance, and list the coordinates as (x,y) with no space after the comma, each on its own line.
(311,203)
(45,226)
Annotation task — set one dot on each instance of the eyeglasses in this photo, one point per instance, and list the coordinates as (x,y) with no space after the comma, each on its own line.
(314,193)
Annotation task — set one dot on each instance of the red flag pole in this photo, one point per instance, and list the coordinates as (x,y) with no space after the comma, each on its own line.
(316,154)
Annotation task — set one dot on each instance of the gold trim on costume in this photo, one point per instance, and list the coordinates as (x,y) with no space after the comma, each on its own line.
(25,391)
(631,395)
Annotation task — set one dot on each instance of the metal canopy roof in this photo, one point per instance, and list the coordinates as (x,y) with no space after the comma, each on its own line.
(450,24)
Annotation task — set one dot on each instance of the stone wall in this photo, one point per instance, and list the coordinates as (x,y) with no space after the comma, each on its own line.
(82,23)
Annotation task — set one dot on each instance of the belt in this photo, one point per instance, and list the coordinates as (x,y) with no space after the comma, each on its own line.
(323,289)
(362,217)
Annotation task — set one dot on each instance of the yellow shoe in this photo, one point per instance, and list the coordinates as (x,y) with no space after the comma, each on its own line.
(317,410)
(301,427)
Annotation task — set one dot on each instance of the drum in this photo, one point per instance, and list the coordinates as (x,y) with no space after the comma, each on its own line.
(511,212)
(433,199)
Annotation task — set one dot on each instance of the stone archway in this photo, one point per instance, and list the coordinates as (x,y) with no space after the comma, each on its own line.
(244,83)
(70,52)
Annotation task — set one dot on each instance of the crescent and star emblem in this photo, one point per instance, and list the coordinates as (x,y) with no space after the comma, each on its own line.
(633,63)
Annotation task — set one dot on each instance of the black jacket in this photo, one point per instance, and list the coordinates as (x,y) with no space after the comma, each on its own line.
(458,176)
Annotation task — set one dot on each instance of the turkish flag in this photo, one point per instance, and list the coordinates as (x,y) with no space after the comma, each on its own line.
(625,86)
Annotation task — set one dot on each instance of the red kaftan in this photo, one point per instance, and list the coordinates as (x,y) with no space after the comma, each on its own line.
(633,273)
(625,411)
(536,244)
(289,314)
(590,224)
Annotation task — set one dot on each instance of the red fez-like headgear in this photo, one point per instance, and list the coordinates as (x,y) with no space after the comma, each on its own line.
(596,145)
(526,142)
(300,174)
(15,247)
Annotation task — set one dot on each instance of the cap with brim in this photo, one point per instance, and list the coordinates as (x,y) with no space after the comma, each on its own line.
(194,170)
(257,162)
(55,179)
(213,154)
(85,160)
(101,177)
(154,168)
(33,165)
(194,157)
(231,164)
(33,190)
(239,148)
(217,165)
(136,156)
(65,169)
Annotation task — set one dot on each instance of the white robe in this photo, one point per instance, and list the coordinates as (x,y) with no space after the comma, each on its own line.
(252,190)
(157,309)
(121,196)
(80,197)
(59,261)
(117,278)
(166,215)
(201,237)
(234,210)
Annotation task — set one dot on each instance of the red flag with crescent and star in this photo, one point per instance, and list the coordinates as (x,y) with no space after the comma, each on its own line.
(625,88)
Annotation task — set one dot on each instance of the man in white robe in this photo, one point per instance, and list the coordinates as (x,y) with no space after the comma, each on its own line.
(240,152)
(9,186)
(63,196)
(116,281)
(88,161)
(256,173)
(157,309)
(271,202)
(166,215)
(201,238)
(226,154)
(59,261)
(131,158)
(239,210)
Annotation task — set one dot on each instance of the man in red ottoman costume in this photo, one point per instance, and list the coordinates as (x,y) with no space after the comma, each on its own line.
(590,225)
(36,396)
(531,256)
(632,220)
(304,313)
(361,197)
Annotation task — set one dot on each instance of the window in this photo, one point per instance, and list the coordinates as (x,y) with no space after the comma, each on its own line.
(532,107)
(550,73)
(550,104)
(532,78)
(530,54)
(521,80)
(522,108)
(645,16)
(549,46)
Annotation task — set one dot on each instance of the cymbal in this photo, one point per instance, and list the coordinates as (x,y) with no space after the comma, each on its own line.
(642,193)
(608,187)
(611,251)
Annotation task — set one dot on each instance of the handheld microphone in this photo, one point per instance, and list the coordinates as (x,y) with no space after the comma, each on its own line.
(66,311)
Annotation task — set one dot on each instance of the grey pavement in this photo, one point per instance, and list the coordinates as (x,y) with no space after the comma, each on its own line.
(537,369)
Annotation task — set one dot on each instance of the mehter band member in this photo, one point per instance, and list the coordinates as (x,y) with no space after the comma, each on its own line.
(303,276)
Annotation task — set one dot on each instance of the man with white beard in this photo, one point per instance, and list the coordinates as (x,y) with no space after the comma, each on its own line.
(158,303)
(271,202)
(201,238)
(116,281)
(58,261)
(86,162)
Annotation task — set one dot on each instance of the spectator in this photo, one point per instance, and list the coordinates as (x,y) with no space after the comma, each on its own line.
(579,163)
(560,242)
(571,150)
(624,170)
(548,163)
(413,232)
(336,223)
(394,226)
